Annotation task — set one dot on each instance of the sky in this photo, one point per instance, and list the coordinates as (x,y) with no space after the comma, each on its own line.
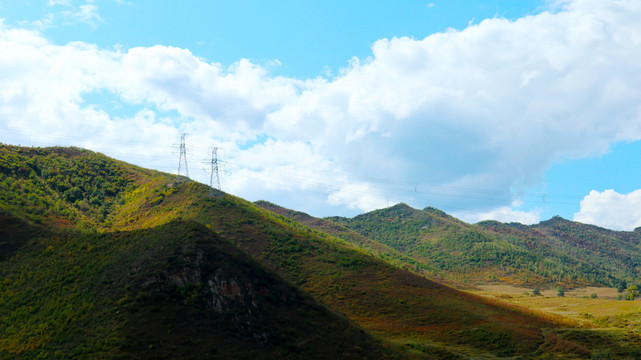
(505,110)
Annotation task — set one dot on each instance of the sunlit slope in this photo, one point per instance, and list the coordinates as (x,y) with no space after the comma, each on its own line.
(589,253)
(614,252)
(373,247)
(63,186)
(457,248)
(549,254)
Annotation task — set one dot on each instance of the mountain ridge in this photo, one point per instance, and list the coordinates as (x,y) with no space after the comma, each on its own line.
(526,250)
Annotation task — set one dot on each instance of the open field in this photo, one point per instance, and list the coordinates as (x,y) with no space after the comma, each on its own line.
(499,289)
(603,311)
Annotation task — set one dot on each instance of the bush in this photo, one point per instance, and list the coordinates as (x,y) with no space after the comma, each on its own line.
(536,291)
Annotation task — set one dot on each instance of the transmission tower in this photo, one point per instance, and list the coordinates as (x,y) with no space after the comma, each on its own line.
(214,172)
(183,158)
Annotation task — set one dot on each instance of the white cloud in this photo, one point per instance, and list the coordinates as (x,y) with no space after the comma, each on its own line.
(174,79)
(87,14)
(43,23)
(359,196)
(481,112)
(490,106)
(59,2)
(503,214)
(611,210)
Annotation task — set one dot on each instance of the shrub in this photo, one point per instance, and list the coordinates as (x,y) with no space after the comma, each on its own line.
(536,291)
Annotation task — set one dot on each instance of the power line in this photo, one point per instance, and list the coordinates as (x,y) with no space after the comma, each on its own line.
(337,178)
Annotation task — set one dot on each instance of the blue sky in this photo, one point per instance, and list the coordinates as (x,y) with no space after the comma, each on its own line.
(508,110)
(307,37)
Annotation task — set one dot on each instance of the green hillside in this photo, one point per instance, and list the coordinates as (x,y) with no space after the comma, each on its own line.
(554,253)
(591,254)
(457,248)
(373,247)
(119,261)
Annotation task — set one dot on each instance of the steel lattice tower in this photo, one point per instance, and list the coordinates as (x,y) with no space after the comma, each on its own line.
(214,172)
(183,158)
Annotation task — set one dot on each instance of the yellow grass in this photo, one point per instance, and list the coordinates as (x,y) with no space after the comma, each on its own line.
(575,305)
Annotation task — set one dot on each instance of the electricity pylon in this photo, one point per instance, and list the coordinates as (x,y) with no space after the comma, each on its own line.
(214,172)
(183,158)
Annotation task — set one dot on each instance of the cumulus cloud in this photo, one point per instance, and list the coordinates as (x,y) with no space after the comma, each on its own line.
(611,210)
(488,107)
(174,79)
(481,112)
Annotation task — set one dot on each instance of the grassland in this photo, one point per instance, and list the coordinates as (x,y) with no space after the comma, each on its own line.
(577,305)
(591,319)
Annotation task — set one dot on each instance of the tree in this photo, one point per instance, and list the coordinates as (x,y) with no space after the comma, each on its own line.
(632,292)
(536,291)
(560,292)
(621,286)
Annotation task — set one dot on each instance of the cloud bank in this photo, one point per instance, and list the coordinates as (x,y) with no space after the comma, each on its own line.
(611,210)
(461,120)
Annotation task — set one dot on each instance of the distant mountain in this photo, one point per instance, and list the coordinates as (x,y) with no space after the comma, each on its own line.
(555,252)
(102,259)
(597,255)
(374,247)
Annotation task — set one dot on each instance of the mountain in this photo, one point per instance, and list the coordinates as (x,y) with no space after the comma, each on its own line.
(373,247)
(456,248)
(108,260)
(553,253)
(176,290)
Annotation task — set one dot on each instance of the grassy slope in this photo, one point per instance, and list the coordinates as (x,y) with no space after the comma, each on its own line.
(392,303)
(602,318)
(617,343)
